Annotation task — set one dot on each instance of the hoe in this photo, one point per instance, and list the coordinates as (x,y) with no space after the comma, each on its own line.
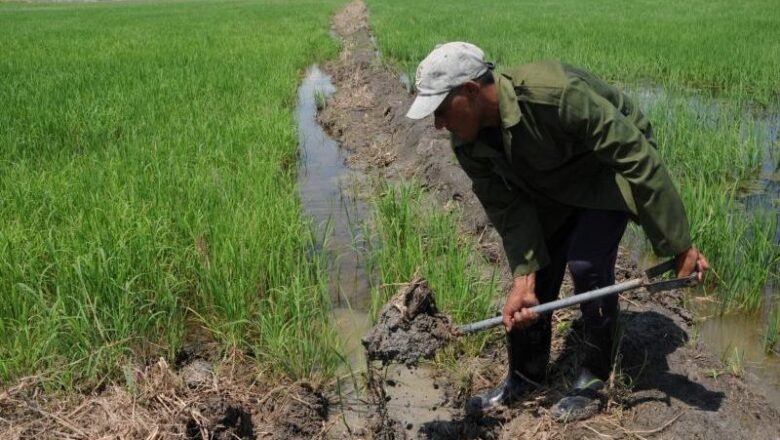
(410,327)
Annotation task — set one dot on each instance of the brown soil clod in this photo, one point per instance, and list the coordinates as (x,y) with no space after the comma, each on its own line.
(409,327)
(196,374)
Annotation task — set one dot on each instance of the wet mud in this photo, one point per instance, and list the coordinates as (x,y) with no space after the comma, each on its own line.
(665,384)
(409,327)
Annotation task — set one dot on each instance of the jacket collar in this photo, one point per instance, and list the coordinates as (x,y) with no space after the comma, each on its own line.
(510,115)
(507,102)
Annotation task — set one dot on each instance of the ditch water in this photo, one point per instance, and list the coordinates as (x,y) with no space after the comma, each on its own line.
(329,193)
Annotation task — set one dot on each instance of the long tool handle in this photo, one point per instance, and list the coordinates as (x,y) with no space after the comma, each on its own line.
(555,305)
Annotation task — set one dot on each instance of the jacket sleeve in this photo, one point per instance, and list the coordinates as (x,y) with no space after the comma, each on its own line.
(619,144)
(511,211)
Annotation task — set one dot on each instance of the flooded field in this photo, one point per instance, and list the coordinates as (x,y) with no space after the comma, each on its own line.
(398,218)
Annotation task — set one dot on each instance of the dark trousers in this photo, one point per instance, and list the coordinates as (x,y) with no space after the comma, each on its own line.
(588,244)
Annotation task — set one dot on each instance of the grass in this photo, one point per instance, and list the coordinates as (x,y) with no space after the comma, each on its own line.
(733,361)
(147,157)
(714,80)
(771,342)
(409,239)
(320,99)
(712,45)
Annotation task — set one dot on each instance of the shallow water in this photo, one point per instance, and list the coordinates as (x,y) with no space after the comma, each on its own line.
(724,334)
(328,193)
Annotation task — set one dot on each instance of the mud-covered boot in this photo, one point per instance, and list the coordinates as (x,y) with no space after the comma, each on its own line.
(528,353)
(510,390)
(583,401)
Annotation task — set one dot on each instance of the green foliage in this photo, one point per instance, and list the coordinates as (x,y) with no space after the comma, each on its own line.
(714,45)
(771,341)
(734,361)
(147,162)
(320,99)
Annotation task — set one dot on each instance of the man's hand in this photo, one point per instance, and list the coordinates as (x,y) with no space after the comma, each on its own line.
(691,261)
(520,298)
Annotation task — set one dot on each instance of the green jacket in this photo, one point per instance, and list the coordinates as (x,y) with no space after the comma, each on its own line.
(568,140)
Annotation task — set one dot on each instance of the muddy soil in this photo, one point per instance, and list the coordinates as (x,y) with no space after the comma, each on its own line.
(409,327)
(666,385)
(195,401)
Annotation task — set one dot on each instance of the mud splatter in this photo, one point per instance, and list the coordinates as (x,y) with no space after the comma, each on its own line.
(409,327)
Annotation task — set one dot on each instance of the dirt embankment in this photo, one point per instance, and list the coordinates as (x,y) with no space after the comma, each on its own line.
(666,387)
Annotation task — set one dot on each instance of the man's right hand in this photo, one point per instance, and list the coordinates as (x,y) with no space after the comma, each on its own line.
(521,297)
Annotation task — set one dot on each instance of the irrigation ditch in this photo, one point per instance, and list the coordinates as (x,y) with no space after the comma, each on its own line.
(670,384)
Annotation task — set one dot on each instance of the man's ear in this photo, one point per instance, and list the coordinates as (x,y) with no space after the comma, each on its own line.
(471,89)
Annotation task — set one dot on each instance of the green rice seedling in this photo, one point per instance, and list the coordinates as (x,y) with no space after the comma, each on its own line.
(734,360)
(771,341)
(693,43)
(320,99)
(147,167)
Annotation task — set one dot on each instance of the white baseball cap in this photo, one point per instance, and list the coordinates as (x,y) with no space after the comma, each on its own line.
(445,68)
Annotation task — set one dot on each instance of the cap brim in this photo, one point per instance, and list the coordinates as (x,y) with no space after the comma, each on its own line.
(425,105)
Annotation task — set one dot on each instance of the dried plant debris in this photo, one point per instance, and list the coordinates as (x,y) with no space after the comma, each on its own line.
(409,327)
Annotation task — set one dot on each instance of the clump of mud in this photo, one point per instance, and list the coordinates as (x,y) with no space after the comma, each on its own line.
(409,327)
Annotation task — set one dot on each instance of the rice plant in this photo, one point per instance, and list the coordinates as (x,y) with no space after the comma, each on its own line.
(771,340)
(706,45)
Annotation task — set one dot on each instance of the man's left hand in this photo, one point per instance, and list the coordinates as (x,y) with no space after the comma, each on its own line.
(691,261)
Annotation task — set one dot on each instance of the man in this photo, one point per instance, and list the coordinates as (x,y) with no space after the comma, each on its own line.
(560,161)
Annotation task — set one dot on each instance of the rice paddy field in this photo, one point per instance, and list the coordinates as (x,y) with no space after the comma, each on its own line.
(149,192)
(148,164)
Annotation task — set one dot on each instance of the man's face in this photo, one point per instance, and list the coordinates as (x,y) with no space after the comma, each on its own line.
(458,113)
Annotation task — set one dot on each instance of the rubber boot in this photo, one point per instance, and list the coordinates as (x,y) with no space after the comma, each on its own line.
(583,401)
(527,357)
